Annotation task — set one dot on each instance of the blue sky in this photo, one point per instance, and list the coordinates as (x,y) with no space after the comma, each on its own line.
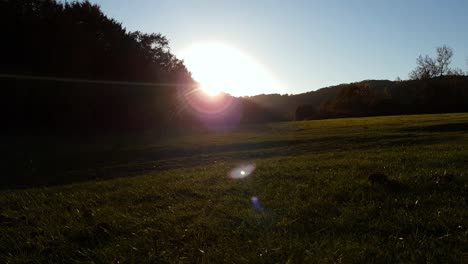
(310,44)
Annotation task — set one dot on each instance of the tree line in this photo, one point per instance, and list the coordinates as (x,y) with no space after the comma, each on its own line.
(433,87)
(76,40)
(445,94)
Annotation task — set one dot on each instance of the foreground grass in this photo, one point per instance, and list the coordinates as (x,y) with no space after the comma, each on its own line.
(315,202)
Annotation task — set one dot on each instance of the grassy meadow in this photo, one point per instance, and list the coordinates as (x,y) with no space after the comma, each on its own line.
(358,190)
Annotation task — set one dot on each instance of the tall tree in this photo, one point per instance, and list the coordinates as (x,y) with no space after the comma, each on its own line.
(47,37)
(77,40)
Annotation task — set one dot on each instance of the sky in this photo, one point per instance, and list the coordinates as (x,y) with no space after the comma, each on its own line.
(307,45)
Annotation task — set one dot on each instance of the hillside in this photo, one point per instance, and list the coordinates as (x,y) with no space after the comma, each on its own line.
(373,98)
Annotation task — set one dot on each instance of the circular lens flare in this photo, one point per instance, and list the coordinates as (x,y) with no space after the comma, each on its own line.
(217,113)
(242,171)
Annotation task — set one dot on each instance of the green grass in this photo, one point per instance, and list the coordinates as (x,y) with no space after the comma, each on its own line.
(311,180)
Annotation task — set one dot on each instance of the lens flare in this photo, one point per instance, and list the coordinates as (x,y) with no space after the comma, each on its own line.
(218,113)
(242,171)
(256,204)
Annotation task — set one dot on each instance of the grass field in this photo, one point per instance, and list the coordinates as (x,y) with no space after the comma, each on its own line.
(359,190)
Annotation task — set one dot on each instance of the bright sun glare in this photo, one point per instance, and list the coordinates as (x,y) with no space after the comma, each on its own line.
(211,91)
(221,68)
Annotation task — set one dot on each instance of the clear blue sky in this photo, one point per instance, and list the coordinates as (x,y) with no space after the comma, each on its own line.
(310,44)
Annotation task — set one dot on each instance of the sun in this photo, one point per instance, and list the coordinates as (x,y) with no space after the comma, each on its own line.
(218,67)
(211,91)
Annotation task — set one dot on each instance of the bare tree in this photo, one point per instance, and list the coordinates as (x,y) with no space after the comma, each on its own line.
(455,71)
(428,67)
(444,58)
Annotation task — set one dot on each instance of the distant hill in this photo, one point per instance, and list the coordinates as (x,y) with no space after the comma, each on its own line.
(288,104)
(373,97)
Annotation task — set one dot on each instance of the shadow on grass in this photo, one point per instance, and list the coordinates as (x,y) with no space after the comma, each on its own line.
(54,168)
(452,127)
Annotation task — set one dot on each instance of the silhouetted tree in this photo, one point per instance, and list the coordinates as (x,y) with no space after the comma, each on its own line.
(444,58)
(428,67)
(76,40)
(456,72)
(46,37)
